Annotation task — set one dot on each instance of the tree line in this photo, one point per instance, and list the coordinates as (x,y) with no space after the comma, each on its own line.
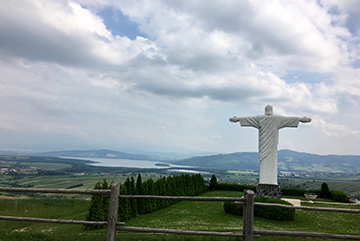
(324,192)
(177,185)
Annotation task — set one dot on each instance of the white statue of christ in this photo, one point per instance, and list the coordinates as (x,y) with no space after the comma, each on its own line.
(268,126)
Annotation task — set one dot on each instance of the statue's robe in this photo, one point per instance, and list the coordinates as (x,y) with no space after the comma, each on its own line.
(268,126)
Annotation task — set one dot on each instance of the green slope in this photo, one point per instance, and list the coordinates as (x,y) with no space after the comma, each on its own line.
(287,161)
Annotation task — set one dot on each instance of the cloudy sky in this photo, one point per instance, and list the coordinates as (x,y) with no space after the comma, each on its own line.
(166,75)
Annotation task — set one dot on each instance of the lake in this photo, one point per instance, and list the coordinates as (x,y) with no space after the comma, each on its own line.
(107,162)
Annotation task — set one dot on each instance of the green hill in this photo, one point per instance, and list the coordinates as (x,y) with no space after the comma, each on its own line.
(96,154)
(287,161)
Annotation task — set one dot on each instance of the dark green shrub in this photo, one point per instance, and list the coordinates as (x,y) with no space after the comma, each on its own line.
(324,187)
(301,192)
(234,187)
(293,191)
(275,213)
(177,185)
(213,183)
(99,206)
(231,207)
(124,211)
(325,191)
(339,196)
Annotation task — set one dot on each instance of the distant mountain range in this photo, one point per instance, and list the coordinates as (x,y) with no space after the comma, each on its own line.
(290,161)
(136,154)
(97,154)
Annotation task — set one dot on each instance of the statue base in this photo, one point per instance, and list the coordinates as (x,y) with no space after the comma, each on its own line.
(268,190)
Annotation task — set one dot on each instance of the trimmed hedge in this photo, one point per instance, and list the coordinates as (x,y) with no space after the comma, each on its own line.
(293,191)
(323,193)
(339,196)
(333,195)
(233,187)
(275,213)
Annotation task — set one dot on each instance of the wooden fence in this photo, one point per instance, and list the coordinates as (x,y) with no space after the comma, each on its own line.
(112,215)
(112,225)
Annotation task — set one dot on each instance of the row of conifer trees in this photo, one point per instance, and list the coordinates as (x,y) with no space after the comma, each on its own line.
(177,185)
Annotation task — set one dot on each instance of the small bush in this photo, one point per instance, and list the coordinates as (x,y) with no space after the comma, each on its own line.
(213,183)
(275,213)
(339,196)
(231,207)
(324,187)
(234,187)
(99,206)
(293,191)
(323,193)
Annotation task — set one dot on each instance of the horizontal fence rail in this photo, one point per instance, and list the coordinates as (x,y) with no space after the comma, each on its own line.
(237,201)
(343,210)
(48,190)
(306,234)
(180,232)
(44,220)
(186,198)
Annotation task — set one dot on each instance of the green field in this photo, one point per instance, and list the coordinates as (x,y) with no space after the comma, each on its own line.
(55,166)
(60,181)
(186,215)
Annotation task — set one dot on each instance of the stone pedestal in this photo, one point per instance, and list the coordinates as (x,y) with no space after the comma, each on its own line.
(268,190)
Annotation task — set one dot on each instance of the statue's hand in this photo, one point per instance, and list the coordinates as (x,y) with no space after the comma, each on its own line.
(234,119)
(305,119)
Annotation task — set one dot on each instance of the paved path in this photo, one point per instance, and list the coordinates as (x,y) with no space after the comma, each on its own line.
(295,202)
(336,203)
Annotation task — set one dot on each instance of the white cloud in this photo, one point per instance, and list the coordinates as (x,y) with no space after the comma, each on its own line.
(334,130)
(64,71)
(65,33)
(292,33)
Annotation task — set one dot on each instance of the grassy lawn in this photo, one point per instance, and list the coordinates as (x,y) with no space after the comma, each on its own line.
(59,181)
(186,215)
(209,216)
(45,208)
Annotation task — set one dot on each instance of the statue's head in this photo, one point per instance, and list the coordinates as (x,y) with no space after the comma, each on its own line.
(268,110)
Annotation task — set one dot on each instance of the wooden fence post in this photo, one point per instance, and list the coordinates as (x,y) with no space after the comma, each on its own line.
(113,212)
(248,215)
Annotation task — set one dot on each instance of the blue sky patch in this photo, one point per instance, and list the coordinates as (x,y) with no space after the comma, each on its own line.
(307,77)
(118,23)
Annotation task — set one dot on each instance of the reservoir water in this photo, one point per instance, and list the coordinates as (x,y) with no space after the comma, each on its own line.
(109,162)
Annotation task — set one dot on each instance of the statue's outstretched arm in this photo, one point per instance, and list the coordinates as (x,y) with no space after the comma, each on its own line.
(305,119)
(234,119)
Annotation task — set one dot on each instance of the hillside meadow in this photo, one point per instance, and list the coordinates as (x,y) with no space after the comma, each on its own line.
(186,215)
